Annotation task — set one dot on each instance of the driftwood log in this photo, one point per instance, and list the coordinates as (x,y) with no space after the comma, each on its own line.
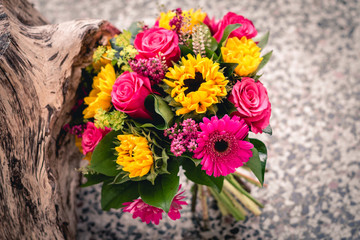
(40,69)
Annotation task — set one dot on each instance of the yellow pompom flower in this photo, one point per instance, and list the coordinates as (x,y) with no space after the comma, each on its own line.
(192,18)
(243,51)
(196,84)
(100,95)
(134,155)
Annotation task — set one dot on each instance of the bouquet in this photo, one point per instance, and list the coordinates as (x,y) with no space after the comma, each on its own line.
(182,94)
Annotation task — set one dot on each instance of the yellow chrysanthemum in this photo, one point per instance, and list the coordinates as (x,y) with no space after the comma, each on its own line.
(191,19)
(100,95)
(196,84)
(243,51)
(134,155)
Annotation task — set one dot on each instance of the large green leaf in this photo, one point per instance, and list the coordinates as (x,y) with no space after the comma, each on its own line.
(226,34)
(185,50)
(103,159)
(228,68)
(166,186)
(114,195)
(161,112)
(257,162)
(93,179)
(195,174)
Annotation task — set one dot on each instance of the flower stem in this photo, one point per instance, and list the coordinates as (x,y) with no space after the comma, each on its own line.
(204,207)
(194,191)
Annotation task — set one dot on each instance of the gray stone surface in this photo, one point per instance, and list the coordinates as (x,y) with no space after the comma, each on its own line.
(313,82)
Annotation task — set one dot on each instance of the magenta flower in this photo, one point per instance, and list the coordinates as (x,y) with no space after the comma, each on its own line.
(221,145)
(147,213)
(176,205)
(92,136)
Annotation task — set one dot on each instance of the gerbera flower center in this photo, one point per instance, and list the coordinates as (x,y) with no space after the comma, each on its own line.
(221,146)
(193,84)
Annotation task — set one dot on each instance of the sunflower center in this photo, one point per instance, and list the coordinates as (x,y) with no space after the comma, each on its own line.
(221,146)
(193,84)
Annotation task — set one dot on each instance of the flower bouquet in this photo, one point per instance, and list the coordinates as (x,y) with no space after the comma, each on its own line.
(182,94)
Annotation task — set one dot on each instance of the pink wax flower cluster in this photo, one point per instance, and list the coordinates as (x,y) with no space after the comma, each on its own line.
(183,136)
(153,68)
(92,136)
(148,213)
(76,130)
(177,21)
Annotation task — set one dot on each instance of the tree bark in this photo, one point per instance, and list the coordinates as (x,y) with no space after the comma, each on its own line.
(40,69)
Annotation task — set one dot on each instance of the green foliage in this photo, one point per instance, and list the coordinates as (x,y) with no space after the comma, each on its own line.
(163,191)
(268,130)
(195,174)
(263,40)
(257,162)
(265,60)
(114,119)
(162,115)
(95,178)
(228,30)
(103,159)
(114,195)
(185,50)
(98,53)
(228,68)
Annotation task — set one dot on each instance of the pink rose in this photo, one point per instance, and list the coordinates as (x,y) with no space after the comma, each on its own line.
(158,40)
(91,137)
(252,102)
(129,92)
(247,29)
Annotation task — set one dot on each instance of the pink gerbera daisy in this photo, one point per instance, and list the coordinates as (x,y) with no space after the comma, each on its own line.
(148,213)
(221,145)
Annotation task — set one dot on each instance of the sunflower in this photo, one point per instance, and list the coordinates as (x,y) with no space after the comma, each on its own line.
(100,95)
(243,51)
(191,19)
(196,84)
(134,155)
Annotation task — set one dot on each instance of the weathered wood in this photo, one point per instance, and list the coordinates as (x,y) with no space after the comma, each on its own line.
(40,69)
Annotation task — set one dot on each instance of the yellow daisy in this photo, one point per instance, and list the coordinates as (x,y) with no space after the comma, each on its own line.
(243,51)
(134,155)
(196,84)
(192,18)
(100,95)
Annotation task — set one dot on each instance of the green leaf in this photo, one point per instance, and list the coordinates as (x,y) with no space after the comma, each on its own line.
(162,164)
(228,68)
(121,178)
(226,34)
(166,186)
(114,195)
(161,112)
(134,29)
(263,40)
(103,159)
(268,130)
(265,60)
(195,174)
(93,179)
(185,50)
(257,162)
(211,55)
(213,44)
